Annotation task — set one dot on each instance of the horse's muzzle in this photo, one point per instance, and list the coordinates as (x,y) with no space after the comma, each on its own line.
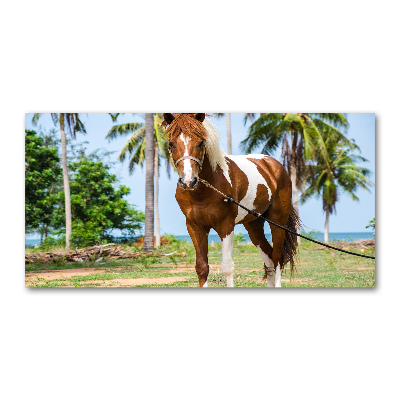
(192,184)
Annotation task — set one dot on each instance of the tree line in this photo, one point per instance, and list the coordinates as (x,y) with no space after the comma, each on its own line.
(97,204)
(316,151)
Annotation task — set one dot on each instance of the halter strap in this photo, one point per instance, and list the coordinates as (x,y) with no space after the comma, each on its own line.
(190,158)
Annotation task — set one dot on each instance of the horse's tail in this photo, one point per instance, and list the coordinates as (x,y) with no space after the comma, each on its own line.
(290,243)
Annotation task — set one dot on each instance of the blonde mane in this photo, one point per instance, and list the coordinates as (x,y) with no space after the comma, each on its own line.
(196,126)
(214,151)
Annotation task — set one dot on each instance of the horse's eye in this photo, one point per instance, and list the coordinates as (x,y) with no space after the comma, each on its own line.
(171,145)
(201,144)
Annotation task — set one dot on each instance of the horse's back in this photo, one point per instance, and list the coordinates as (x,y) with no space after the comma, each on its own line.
(255,180)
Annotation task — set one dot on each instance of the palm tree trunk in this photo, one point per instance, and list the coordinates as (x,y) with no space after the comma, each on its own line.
(293,177)
(326,231)
(156,213)
(295,195)
(149,212)
(228,132)
(67,193)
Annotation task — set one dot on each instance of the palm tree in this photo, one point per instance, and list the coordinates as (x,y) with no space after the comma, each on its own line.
(148,244)
(72,122)
(228,130)
(339,173)
(228,127)
(301,139)
(136,147)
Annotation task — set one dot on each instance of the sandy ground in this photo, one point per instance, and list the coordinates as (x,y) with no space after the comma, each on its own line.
(61,274)
(41,277)
(46,276)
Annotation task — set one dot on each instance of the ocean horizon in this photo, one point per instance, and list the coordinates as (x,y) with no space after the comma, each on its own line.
(333,237)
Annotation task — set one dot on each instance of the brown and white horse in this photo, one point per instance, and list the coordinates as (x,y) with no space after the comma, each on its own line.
(257,181)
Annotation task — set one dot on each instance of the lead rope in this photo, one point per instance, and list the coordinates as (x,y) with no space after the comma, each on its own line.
(256,214)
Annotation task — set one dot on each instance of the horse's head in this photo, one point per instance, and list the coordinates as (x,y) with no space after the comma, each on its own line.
(187,137)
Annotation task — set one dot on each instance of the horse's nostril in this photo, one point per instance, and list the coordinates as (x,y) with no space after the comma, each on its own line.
(194,182)
(180,181)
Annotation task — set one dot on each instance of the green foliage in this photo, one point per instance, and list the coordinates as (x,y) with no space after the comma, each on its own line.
(238,238)
(97,207)
(42,171)
(337,171)
(300,136)
(51,243)
(72,122)
(371,224)
(270,129)
(172,239)
(310,234)
(317,269)
(136,144)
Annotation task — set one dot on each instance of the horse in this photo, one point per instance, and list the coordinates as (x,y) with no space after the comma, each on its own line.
(257,181)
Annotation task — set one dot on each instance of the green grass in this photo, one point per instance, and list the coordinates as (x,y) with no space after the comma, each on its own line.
(317,267)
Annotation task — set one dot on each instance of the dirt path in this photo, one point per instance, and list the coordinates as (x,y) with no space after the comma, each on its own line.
(138,281)
(60,274)
(43,277)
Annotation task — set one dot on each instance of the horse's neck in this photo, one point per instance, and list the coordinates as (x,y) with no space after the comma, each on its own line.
(207,172)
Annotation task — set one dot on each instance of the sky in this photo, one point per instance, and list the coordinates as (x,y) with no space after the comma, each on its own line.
(351,216)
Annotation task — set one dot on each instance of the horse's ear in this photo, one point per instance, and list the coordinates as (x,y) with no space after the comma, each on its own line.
(168,118)
(200,117)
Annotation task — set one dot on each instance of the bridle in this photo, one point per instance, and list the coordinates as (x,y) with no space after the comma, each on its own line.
(200,162)
(189,158)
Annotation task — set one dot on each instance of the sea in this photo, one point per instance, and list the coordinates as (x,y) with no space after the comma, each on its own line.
(333,237)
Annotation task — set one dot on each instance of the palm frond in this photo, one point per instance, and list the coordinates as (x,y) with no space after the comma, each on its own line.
(114,116)
(248,116)
(338,120)
(123,129)
(56,118)
(313,140)
(134,141)
(264,131)
(35,118)
(138,157)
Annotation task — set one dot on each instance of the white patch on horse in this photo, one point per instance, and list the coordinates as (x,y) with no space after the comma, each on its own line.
(271,278)
(187,168)
(228,178)
(206,284)
(278,276)
(254,177)
(227,265)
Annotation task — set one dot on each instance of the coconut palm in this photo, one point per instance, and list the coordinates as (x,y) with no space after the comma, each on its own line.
(301,139)
(340,173)
(148,244)
(73,124)
(135,146)
(228,130)
(228,127)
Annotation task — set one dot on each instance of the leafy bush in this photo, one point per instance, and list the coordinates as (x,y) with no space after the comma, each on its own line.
(97,206)
(42,171)
(172,239)
(52,242)
(238,238)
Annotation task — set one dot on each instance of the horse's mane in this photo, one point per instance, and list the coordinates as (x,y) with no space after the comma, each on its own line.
(190,126)
(185,123)
(214,151)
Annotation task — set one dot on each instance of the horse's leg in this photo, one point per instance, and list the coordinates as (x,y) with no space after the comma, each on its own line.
(255,230)
(278,213)
(226,233)
(200,240)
